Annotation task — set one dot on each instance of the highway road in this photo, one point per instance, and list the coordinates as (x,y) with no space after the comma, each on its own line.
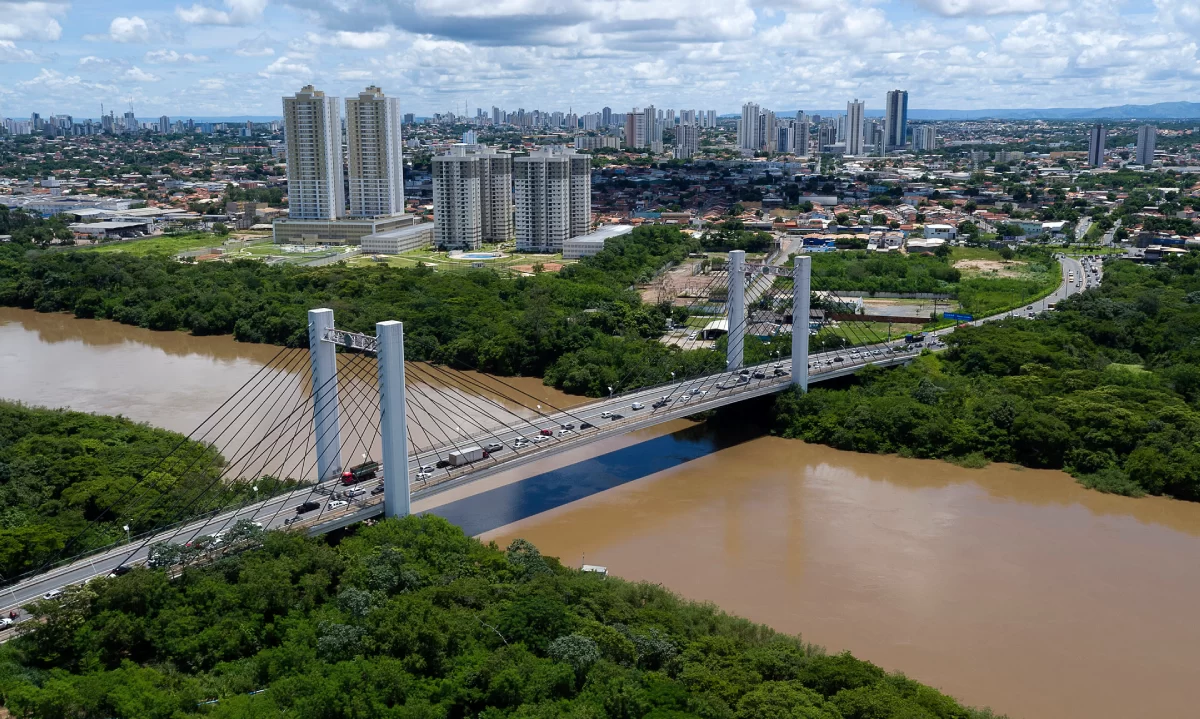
(679,399)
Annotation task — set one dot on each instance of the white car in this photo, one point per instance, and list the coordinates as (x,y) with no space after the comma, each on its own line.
(356,492)
(564,432)
(52,594)
(337,504)
(540,438)
(6,622)
(520,442)
(424,475)
(638,405)
(605,414)
(427,469)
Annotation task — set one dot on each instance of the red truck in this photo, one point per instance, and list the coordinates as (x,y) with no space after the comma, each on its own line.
(360,473)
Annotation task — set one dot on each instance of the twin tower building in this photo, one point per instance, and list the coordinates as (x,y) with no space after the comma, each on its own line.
(474,186)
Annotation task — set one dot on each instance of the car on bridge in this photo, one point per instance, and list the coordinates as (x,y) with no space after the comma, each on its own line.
(52,594)
(637,406)
(337,504)
(586,425)
(423,476)
(661,403)
(615,416)
(356,492)
(565,432)
(308,506)
(493,447)
(520,442)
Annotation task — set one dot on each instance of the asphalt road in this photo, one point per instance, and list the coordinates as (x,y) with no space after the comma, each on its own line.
(682,398)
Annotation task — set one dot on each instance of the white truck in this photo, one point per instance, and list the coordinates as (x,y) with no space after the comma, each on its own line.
(465,456)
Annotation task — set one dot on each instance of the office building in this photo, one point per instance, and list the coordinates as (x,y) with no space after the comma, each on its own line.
(895,121)
(1096,140)
(1146,139)
(687,141)
(924,138)
(374,154)
(553,187)
(312,125)
(854,127)
(748,128)
(472,197)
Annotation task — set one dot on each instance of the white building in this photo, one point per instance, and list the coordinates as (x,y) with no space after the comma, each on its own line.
(472,197)
(940,232)
(592,243)
(393,242)
(638,128)
(553,187)
(312,124)
(748,128)
(854,127)
(687,141)
(924,138)
(374,154)
(1147,138)
(1096,140)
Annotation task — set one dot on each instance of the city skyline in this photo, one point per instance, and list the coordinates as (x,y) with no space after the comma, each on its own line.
(230,57)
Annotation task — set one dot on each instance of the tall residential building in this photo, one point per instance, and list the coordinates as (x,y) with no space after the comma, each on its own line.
(924,138)
(164,124)
(313,128)
(785,136)
(687,141)
(637,135)
(374,154)
(1096,140)
(803,134)
(606,117)
(854,127)
(895,122)
(766,131)
(1146,140)
(748,127)
(472,197)
(553,187)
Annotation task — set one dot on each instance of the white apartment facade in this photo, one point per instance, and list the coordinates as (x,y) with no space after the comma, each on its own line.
(472,197)
(553,188)
(312,123)
(374,154)
(854,127)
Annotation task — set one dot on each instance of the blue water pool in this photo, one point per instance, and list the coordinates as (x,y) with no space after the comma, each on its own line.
(479,255)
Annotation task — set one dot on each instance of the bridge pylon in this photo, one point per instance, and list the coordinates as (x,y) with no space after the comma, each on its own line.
(397,499)
(801,301)
(326,422)
(735,307)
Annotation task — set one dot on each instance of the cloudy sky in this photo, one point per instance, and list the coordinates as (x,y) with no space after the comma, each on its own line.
(234,57)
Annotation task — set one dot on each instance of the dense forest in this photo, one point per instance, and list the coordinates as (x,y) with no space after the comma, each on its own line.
(410,618)
(583,329)
(60,471)
(1106,387)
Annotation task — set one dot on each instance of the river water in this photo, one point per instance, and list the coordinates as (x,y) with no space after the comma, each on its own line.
(1002,586)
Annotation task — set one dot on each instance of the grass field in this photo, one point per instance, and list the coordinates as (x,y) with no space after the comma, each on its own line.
(164,244)
(442,260)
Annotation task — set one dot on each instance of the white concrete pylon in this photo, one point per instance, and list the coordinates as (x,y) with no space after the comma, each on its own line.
(326,423)
(397,500)
(736,309)
(801,300)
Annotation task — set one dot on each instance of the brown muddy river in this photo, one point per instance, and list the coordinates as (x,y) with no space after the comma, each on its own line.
(1004,587)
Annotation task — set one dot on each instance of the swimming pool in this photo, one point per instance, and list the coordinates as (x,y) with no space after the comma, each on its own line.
(479,255)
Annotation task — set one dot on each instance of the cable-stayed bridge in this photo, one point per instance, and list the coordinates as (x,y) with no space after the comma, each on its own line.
(360,403)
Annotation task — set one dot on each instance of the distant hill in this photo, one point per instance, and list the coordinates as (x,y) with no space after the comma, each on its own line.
(1157,111)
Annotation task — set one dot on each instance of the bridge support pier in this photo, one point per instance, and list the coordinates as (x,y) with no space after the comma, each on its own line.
(397,500)
(326,424)
(735,305)
(801,299)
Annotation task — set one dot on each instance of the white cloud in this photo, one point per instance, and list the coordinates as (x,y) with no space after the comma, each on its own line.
(129,29)
(353,40)
(978,33)
(237,12)
(137,74)
(255,47)
(211,83)
(57,84)
(162,57)
(956,8)
(31,20)
(9,52)
(285,66)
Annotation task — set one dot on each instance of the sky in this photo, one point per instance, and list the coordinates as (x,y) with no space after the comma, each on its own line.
(239,57)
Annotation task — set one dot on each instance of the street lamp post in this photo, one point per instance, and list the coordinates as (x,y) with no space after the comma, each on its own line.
(127,537)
